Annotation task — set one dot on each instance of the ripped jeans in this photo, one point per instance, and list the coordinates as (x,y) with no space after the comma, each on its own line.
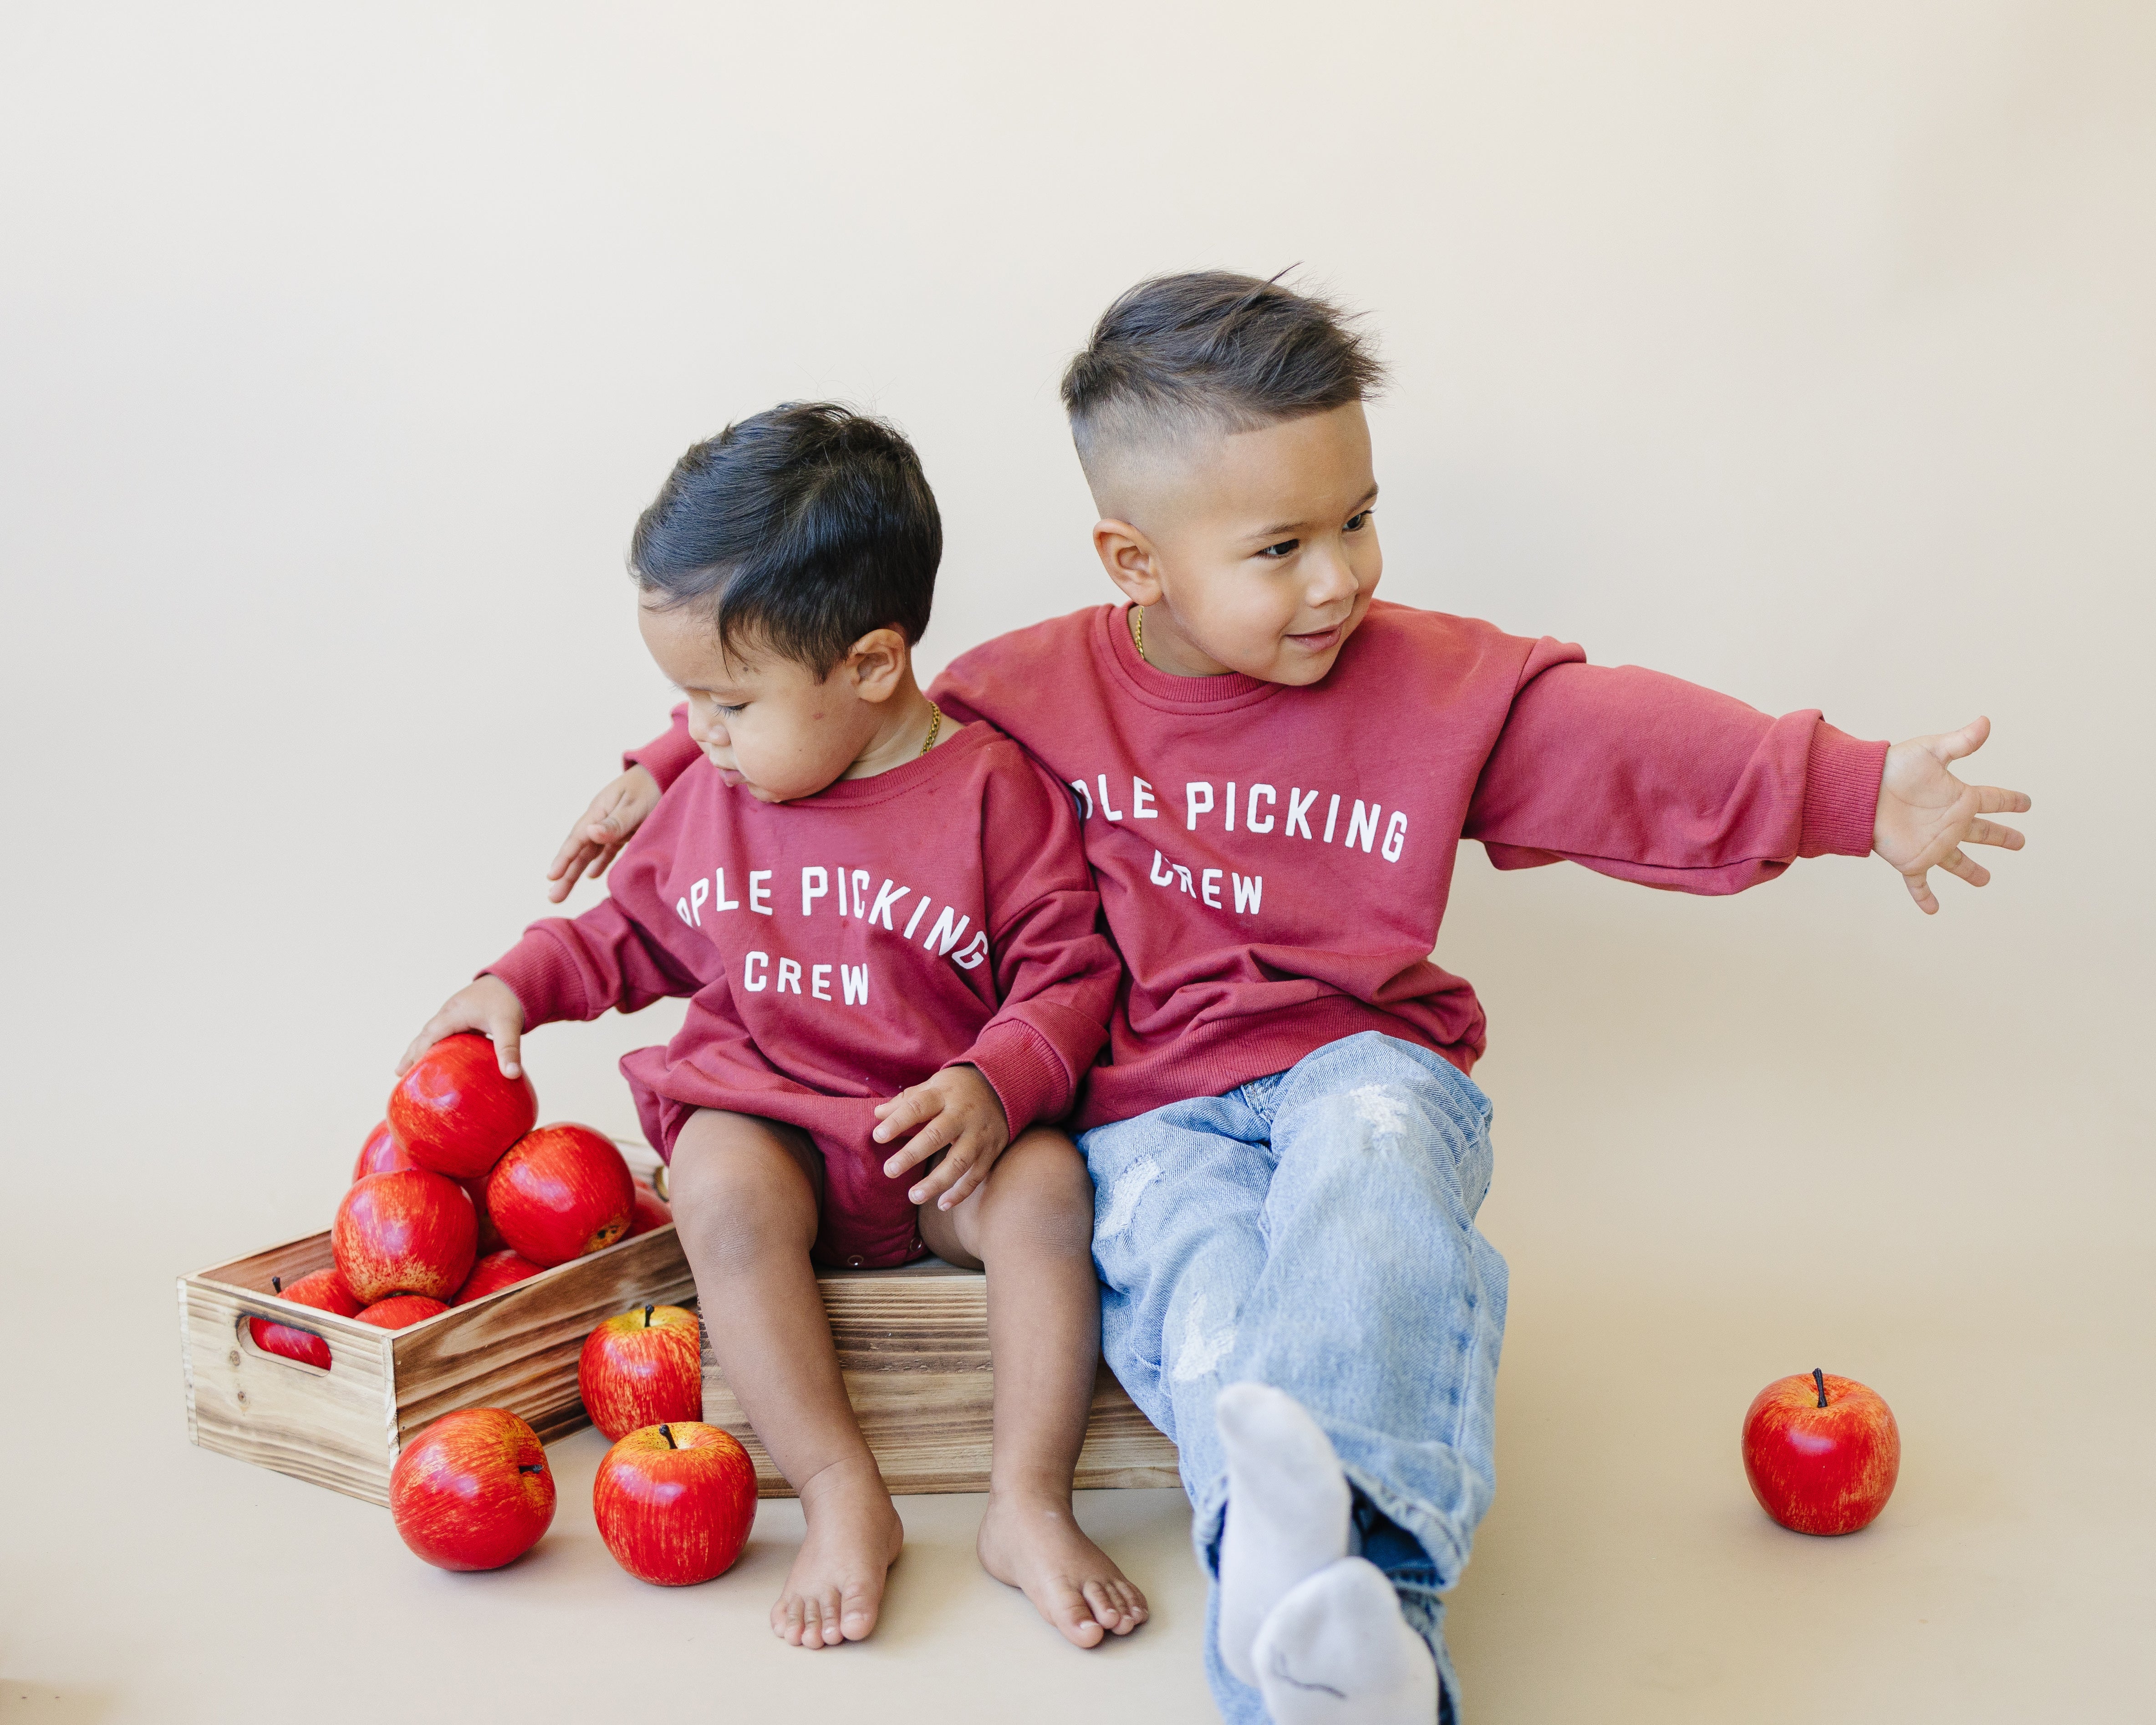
(1315,1231)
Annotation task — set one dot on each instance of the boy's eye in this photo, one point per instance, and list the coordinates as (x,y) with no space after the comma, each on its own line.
(1357,522)
(1286,548)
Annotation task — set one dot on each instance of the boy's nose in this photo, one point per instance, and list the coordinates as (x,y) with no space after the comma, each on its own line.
(1332,582)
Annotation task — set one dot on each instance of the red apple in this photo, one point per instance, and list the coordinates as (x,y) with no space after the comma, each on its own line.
(409,1232)
(400,1311)
(641,1366)
(324,1291)
(561,1192)
(472,1492)
(1821,1453)
(381,1154)
(493,1273)
(675,1502)
(652,1211)
(454,1110)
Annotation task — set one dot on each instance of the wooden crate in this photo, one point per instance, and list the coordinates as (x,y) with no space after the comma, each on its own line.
(343,1427)
(913,1348)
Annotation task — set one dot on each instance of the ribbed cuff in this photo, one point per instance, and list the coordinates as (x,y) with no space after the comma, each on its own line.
(1842,793)
(667,756)
(1025,1072)
(543,977)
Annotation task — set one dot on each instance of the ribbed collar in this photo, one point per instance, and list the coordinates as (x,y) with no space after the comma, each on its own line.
(1111,639)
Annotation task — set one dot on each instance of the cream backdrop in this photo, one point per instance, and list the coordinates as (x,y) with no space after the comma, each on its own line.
(1806,353)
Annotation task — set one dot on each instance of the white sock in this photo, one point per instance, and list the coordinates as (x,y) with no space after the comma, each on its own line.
(1337,1651)
(1287,1510)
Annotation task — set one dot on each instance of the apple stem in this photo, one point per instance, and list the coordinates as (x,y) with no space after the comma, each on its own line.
(667,1432)
(1819,1378)
(532,1467)
(648,1310)
(276,1284)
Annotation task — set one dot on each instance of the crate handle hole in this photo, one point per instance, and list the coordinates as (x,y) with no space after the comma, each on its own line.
(244,1331)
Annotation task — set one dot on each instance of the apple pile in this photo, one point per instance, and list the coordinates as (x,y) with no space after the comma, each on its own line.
(459,1194)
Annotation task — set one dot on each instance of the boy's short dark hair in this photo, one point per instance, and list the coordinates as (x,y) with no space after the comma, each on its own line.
(1212,349)
(804,526)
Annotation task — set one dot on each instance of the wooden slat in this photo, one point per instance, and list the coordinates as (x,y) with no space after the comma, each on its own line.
(913,1349)
(518,1349)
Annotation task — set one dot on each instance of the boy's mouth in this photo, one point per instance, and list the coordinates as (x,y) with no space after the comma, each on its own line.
(1318,640)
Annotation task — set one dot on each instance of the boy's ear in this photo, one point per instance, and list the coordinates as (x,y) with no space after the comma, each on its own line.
(877,663)
(1130,559)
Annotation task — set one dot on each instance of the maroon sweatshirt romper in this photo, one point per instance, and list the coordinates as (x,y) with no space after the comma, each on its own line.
(839,948)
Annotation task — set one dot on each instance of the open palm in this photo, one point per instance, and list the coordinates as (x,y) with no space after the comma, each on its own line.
(1926,814)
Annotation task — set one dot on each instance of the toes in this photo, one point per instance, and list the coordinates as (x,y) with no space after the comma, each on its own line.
(857,1616)
(1128,1603)
(825,1609)
(786,1619)
(1080,1620)
(1106,1611)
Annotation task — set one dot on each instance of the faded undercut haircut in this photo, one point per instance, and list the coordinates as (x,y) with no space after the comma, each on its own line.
(1181,355)
(802,528)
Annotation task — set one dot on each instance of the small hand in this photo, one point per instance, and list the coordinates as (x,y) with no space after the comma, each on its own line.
(958,1111)
(1926,814)
(488,1005)
(615,815)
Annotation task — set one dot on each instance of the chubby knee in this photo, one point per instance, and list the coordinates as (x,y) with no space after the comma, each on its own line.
(741,1189)
(1038,1199)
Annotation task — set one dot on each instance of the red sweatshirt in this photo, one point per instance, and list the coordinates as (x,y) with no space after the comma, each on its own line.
(840,948)
(1274,862)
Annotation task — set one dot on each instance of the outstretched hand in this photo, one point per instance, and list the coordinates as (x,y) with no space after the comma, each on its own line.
(1926,814)
(597,838)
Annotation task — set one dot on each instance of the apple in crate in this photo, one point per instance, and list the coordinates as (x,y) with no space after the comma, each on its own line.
(456,1113)
(472,1490)
(1821,1453)
(640,1367)
(409,1232)
(324,1291)
(675,1502)
(493,1273)
(381,1154)
(652,1211)
(400,1311)
(560,1191)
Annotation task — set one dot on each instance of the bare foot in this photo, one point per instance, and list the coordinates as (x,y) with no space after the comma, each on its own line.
(1032,1542)
(835,1588)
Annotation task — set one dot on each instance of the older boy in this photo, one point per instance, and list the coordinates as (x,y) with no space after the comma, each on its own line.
(1275,772)
(885,924)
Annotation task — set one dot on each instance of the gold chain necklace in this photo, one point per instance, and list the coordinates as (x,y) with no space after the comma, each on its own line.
(1138,629)
(935,724)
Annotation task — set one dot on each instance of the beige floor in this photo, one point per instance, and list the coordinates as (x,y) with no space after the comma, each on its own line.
(1719,1161)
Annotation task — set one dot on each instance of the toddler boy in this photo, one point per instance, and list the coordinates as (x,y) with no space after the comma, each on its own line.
(1274,771)
(854,890)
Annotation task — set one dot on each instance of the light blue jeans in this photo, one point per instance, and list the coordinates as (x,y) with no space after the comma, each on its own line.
(1315,1231)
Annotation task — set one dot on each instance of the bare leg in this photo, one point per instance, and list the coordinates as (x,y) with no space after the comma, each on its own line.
(745,1198)
(1030,1226)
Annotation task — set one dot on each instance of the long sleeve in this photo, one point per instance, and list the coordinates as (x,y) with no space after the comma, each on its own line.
(1640,776)
(669,754)
(1056,974)
(578,969)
